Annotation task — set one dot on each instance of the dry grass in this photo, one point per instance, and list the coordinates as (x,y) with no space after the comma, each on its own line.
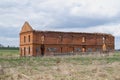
(76,67)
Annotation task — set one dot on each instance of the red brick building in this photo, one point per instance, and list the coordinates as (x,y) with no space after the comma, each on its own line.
(37,43)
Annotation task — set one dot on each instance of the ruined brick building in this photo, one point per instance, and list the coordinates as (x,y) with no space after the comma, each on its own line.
(37,43)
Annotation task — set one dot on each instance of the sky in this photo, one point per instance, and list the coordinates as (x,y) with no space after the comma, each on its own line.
(101,16)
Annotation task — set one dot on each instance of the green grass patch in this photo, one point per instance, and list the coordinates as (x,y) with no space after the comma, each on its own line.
(9,57)
(76,67)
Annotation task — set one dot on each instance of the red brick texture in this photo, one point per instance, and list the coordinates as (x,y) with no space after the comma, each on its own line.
(38,43)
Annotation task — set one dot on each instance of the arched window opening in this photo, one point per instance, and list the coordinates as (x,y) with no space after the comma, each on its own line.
(24,39)
(103,39)
(83,39)
(24,51)
(29,38)
(28,50)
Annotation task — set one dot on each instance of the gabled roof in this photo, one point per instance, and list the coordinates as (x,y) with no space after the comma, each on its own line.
(26,27)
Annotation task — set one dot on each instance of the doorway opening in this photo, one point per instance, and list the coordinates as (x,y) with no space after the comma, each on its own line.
(61,50)
(83,49)
(42,49)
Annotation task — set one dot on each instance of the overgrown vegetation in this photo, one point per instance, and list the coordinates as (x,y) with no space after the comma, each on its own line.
(77,67)
(9,48)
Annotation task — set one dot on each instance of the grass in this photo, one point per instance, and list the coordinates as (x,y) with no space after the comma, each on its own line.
(77,67)
(5,53)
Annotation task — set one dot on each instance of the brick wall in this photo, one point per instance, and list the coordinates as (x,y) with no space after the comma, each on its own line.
(37,43)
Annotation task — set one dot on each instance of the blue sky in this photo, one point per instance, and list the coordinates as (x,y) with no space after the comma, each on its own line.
(59,15)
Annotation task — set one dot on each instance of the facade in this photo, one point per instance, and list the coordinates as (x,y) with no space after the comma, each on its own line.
(39,43)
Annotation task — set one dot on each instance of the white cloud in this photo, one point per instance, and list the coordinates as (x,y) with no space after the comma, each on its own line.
(113,29)
(97,8)
(49,14)
(51,11)
(110,28)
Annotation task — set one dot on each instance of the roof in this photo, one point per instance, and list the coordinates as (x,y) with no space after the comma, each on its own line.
(26,27)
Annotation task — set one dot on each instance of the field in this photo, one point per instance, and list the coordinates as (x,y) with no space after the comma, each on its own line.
(77,67)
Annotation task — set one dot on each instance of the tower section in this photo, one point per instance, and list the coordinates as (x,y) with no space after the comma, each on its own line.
(26,40)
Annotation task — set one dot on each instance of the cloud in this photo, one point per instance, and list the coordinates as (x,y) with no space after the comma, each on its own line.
(12,32)
(75,13)
(109,28)
(97,9)
(56,13)
(59,15)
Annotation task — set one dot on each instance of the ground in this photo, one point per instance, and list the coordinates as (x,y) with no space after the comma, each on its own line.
(77,67)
